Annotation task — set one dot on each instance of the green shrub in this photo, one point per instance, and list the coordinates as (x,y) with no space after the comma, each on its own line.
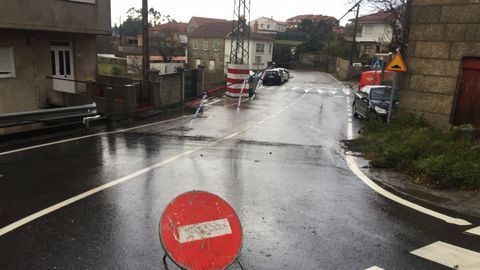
(409,145)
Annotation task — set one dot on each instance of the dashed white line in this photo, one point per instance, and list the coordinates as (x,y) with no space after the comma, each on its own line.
(131,176)
(450,256)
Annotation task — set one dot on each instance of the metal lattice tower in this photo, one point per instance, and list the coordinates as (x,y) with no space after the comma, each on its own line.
(241,32)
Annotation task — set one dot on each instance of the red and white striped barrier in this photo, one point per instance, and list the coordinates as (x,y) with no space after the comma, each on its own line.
(236,76)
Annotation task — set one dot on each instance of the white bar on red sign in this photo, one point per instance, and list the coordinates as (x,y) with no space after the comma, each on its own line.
(204,230)
(237,76)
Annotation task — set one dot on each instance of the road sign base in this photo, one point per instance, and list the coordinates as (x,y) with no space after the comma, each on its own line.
(165,264)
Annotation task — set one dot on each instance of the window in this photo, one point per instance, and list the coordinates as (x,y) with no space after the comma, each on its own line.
(268,26)
(368,29)
(216,46)
(132,41)
(7,62)
(258,59)
(205,45)
(198,62)
(260,48)
(211,65)
(270,48)
(195,45)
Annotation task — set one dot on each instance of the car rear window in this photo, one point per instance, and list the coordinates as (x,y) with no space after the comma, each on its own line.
(382,93)
(271,72)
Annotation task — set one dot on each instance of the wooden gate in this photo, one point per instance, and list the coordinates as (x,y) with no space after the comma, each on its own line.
(467,109)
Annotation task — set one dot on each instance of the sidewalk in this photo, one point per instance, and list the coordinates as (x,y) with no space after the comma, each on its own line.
(465,202)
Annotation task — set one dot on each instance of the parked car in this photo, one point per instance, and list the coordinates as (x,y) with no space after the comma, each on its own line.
(272,77)
(285,73)
(374,77)
(374,100)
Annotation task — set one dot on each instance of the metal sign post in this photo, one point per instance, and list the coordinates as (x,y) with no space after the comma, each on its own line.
(398,66)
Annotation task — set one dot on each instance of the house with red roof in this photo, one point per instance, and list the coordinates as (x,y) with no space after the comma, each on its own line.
(294,22)
(196,22)
(210,45)
(376,33)
(265,25)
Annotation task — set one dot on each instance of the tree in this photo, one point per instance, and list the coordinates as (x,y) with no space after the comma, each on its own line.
(132,26)
(167,44)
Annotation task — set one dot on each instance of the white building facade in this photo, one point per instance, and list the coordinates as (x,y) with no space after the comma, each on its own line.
(260,52)
(264,25)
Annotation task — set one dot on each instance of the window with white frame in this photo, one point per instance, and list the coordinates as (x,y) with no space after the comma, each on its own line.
(198,62)
(260,48)
(194,45)
(258,59)
(216,46)
(7,62)
(211,65)
(205,45)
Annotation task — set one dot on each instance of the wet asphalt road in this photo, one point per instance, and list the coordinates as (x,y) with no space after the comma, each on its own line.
(279,163)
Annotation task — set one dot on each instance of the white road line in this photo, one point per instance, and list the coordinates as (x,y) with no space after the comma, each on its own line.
(89,136)
(374,268)
(352,164)
(475,231)
(118,181)
(450,256)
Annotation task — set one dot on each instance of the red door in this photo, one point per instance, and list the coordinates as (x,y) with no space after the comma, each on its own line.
(467,110)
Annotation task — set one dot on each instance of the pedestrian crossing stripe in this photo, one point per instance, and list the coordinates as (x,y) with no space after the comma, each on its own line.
(374,268)
(397,64)
(449,255)
(475,231)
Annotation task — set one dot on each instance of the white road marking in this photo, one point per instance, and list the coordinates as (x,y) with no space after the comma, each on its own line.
(129,177)
(204,230)
(352,164)
(450,256)
(475,231)
(374,268)
(89,136)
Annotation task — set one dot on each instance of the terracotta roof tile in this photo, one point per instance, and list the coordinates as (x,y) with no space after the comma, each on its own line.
(175,26)
(212,30)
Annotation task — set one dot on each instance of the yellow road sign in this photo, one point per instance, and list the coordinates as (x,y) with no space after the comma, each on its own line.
(397,64)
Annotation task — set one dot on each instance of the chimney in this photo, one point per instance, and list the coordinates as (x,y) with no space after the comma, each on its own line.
(255,27)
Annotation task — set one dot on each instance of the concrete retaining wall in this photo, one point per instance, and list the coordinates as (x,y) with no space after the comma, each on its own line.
(442,34)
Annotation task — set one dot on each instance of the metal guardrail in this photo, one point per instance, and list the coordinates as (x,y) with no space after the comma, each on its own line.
(84,112)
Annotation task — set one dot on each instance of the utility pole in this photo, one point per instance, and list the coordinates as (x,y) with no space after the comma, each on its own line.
(354,44)
(146,41)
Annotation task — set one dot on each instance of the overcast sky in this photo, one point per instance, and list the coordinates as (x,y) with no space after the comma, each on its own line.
(183,10)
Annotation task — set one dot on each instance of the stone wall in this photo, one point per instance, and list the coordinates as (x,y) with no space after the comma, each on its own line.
(442,33)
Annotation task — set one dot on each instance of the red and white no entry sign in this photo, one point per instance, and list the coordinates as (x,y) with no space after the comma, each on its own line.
(199,230)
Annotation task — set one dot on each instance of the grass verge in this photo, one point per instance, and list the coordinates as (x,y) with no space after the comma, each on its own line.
(429,156)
